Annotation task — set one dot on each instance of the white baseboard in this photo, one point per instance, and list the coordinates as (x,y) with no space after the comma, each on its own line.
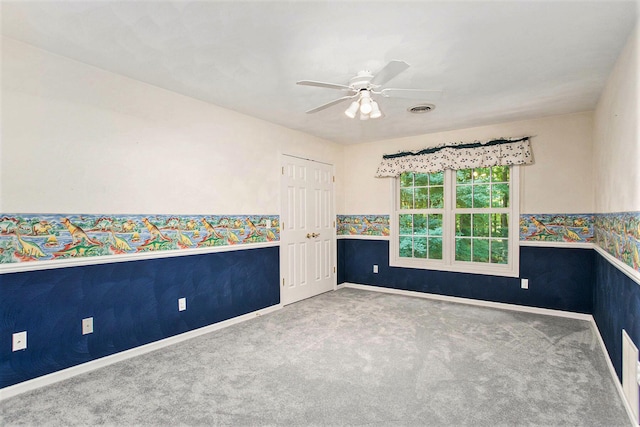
(515,307)
(612,371)
(64,374)
(469,301)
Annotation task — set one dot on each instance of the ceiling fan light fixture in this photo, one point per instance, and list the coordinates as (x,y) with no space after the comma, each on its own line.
(365,106)
(364,116)
(352,110)
(365,102)
(375,110)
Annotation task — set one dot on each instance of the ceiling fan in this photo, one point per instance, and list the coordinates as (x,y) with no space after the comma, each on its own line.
(364,86)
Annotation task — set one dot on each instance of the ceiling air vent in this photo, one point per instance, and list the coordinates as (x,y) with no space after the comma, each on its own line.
(421,108)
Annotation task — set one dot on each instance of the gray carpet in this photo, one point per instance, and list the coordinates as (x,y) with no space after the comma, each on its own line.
(351,357)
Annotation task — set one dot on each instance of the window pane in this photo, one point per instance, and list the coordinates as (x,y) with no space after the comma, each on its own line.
(436,200)
(481,175)
(499,225)
(406,179)
(406,247)
(422,179)
(406,224)
(435,225)
(435,248)
(500,174)
(463,249)
(500,196)
(420,224)
(499,251)
(420,247)
(463,176)
(481,225)
(480,250)
(481,196)
(463,196)
(436,178)
(406,198)
(463,225)
(422,196)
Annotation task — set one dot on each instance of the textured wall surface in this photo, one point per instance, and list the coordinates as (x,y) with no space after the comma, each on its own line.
(616,151)
(132,304)
(559,278)
(616,307)
(76,138)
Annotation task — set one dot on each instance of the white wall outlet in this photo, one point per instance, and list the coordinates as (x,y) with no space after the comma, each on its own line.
(182,304)
(87,326)
(375,268)
(524,283)
(19,341)
(267,223)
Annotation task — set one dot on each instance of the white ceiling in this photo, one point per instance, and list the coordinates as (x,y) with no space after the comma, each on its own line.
(496,61)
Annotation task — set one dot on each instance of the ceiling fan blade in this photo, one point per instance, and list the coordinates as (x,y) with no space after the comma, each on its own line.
(424,95)
(323,84)
(329,104)
(389,71)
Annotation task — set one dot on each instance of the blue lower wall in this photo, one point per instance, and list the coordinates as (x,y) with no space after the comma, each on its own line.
(616,307)
(559,278)
(132,304)
(135,303)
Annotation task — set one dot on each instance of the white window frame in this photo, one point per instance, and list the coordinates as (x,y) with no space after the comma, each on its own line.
(448,262)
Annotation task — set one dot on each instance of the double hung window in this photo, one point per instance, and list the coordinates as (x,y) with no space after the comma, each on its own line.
(464,220)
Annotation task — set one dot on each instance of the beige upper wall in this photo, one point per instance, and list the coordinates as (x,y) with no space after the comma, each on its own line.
(560,180)
(78,139)
(616,157)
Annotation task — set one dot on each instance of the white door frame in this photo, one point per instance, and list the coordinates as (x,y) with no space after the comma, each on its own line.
(283,199)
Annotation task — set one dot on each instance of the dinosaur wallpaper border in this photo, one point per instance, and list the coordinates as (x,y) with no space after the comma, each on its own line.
(619,234)
(39,237)
(362,225)
(573,228)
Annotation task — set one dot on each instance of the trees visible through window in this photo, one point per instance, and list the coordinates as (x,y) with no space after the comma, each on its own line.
(456,220)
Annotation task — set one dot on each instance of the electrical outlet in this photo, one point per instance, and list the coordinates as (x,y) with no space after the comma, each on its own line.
(87,326)
(524,284)
(19,341)
(182,304)
(375,268)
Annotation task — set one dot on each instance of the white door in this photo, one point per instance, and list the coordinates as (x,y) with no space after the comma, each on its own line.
(307,229)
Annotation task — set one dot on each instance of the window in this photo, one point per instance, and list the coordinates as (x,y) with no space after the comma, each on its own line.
(463,220)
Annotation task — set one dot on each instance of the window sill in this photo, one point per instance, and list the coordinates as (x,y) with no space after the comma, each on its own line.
(458,267)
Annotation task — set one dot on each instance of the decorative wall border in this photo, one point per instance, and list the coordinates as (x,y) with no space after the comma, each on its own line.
(619,235)
(362,225)
(56,238)
(44,238)
(569,228)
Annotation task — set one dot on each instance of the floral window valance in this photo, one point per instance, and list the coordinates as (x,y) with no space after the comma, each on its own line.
(458,156)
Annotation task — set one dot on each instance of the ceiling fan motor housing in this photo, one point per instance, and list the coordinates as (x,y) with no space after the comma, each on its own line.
(361,81)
